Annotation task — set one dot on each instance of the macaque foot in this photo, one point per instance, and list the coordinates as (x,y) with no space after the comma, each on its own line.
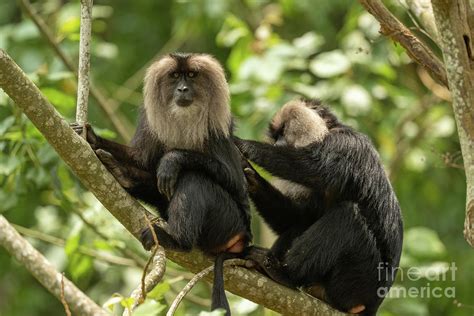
(91,137)
(114,168)
(164,239)
(269,264)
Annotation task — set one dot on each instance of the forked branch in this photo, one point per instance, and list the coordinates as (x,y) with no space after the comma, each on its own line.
(390,26)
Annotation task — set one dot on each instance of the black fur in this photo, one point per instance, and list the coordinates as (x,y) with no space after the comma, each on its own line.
(348,225)
(200,212)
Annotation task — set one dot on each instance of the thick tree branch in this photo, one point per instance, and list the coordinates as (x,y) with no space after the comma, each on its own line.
(45,273)
(455,23)
(390,26)
(81,159)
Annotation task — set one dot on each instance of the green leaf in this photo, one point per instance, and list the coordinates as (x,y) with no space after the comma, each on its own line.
(409,307)
(7,201)
(433,270)
(72,244)
(384,70)
(102,11)
(330,64)
(9,164)
(267,68)
(356,100)
(24,31)
(127,302)
(149,308)
(112,301)
(38,176)
(80,266)
(60,75)
(159,291)
(105,50)
(232,30)
(423,242)
(244,307)
(6,124)
(308,44)
(70,25)
(46,155)
(61,100)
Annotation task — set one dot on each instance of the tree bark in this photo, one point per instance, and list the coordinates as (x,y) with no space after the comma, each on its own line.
(77,153)
(84,62)
(455,23)
(391,27)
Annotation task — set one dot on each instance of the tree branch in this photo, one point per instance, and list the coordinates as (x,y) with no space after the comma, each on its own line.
(45,273)
(150,280)
(196,279)
(424,12)
(119,122)
(75,151)
(455,22)
(390,26)
(84,62)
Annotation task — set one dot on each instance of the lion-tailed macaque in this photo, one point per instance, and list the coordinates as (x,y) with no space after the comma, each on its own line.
(338,221)
(185,132)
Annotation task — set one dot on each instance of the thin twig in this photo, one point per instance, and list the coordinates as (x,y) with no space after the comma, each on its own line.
(196,279)
(155,249)
(139,261)
(451,160)
(390,26)
(203,302)
(424,13)
(84,62)
(151,279)
(459,304)
(63,299)
(121,124)
(105,257)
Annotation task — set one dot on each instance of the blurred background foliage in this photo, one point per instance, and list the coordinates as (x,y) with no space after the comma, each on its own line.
(273,51)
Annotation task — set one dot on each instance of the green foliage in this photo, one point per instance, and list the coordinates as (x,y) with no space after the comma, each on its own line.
(273,51)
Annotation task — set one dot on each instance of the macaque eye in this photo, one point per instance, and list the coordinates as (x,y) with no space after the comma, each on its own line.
(192,74)
(175,74)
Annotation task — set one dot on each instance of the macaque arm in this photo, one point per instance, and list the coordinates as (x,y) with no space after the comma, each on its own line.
(174,161)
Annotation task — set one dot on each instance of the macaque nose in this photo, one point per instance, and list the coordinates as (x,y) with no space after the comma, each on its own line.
(183,89)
